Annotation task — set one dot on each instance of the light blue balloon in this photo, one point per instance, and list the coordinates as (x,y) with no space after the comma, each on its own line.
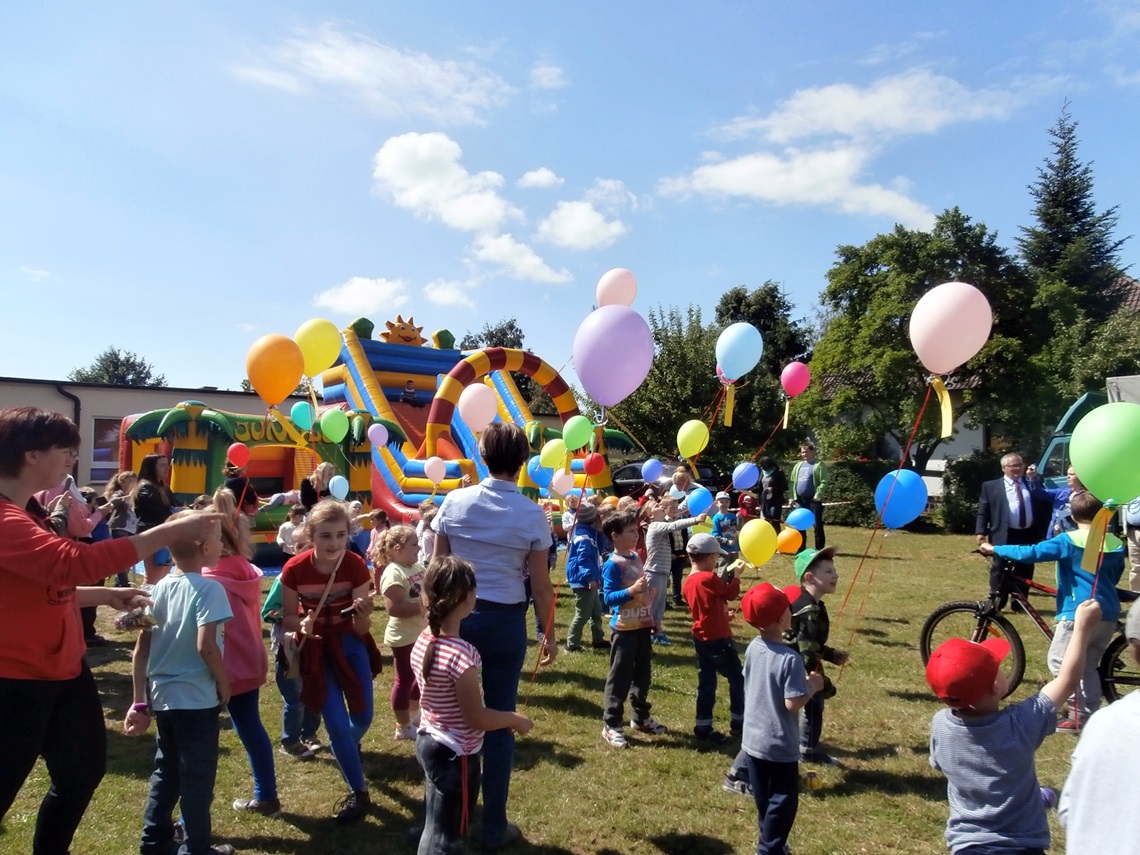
(745,475)
(338,486)
(738,350)
(651,470)
(538,473)
(907,499)
(302,415)
(699,501)
(801,519)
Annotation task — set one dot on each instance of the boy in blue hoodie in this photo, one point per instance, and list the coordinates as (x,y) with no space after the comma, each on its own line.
(584,575)
(1074,586)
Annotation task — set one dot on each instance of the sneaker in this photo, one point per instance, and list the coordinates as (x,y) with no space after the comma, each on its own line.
(614,736)
(707,734)
(405,732)
(1068,725)
(540,638)
(816,755)
(736,729)
(573,648)
(601,644)
(352,807)
(312,743)
(222,849)
(512,835)
(298,750)
(650,725)
(265,807)
(662,639)
(740,787)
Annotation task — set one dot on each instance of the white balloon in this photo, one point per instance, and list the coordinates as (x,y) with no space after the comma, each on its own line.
(478,406)
(617,287)
(435,469)
(562,482)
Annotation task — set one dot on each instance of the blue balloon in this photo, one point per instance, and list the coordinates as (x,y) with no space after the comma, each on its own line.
(745,475)
(651,470)
(698,501)
(801,519)
(538,473)
(338,486)
(738,349)
(907,498)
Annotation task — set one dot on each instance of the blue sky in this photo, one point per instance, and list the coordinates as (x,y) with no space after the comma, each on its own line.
(179,179)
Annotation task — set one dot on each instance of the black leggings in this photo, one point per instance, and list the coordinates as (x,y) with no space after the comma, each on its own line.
(61,721)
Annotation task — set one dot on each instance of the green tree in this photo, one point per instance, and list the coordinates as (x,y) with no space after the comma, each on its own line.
(302,388)
(866,380)
(507,333)
(118,368)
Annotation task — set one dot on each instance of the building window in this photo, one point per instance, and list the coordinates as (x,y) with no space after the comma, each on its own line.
(105,450)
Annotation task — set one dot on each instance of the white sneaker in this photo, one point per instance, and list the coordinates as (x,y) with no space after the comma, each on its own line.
(650,725)
(614,736)
(405,732)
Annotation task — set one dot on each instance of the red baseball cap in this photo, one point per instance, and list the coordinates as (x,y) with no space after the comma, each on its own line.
(764,604)
(962,672)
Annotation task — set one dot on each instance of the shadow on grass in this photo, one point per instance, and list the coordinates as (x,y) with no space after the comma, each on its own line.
(858,781)
(678,843)
(531,752)
(878,642)
(911,696)
(571,704)
(586,681)
(903,621)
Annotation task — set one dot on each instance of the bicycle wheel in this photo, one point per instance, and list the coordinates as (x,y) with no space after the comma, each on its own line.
(975,622)
(1119,673)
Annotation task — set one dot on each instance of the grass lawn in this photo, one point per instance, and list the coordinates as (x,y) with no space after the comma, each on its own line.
(572,793)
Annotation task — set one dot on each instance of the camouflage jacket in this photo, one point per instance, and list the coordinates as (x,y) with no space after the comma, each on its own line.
(810,628)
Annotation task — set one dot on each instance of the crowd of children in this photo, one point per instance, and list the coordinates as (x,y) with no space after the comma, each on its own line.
(620,557)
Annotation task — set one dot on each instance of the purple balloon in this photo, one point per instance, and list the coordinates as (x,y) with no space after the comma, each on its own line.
(613,352)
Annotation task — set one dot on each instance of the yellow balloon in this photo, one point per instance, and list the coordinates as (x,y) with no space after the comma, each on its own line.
(553,454)
(319,341)
(274,365)
(758,541)
(692,437)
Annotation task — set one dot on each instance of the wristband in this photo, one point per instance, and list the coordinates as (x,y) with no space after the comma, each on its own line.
(143,708)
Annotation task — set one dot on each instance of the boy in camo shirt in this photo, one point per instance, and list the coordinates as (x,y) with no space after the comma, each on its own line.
(818,577)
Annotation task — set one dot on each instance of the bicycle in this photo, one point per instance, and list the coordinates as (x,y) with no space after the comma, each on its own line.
(976,621)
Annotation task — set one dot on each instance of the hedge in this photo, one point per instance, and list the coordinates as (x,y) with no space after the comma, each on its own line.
(961,486)
(853,483)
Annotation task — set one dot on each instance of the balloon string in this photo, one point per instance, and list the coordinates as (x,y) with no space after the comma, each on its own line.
(862,603)
(545,635)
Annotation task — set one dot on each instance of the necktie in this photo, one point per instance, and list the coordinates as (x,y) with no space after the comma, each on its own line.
(1020,505)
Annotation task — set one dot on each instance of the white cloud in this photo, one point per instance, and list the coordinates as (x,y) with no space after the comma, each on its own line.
(579,225)
(883,53)
(1124,15)
(545,76)
(422,173)
(518,260)
(446,293)
(612,194)
(387,80)
(362,296)
(541,177)
(826,177)
(914,102)
(35,274)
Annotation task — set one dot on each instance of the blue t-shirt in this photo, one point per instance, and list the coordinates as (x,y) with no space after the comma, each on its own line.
(990,774)
(179,678)
(724,529)
(773,672)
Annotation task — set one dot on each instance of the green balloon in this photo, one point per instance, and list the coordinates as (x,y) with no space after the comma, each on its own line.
(1104,448)
(334,425)
(576,432)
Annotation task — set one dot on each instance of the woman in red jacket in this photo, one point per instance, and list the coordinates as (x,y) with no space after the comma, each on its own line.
(49,704)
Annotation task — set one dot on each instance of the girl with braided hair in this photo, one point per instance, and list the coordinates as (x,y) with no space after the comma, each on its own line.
(454,718)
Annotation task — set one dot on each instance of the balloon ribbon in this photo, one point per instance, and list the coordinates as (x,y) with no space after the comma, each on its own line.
(947,408)
(287,426)
(787,406)
(1090,560)
(729,403)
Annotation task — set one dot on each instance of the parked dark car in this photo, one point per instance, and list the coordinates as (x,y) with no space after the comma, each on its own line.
(628,480)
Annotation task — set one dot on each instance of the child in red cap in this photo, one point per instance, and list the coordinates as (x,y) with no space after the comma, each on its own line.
(776,688)
(986,752)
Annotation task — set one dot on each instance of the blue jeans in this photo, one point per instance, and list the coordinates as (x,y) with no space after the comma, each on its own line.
(718,657)
(451,782)
(185,766)
(811,723)
(247,724)
(776,791)
(296,722)
(347,729)
(500,637)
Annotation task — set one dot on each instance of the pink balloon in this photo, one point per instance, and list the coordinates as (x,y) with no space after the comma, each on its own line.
(795,378)
(613,352)
(562,482)
(478,406)
(949,325)
(377,434)
(617,287)
(435,469)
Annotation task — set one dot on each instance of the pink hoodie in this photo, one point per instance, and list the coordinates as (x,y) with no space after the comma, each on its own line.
(244,655)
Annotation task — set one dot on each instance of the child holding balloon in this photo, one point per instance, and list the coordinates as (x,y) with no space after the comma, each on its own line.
(659,556)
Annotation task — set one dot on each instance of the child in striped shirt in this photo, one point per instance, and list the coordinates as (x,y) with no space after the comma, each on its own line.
(453,718)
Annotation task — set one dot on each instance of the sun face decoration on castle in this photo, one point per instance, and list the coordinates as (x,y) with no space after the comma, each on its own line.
(406,332)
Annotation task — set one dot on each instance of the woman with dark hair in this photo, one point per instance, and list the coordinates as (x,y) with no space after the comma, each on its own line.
(237,482)
(502,534)
(153,504)
(773,489)
(49,704)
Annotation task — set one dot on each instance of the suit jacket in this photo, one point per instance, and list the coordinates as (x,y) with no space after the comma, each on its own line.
(994,513)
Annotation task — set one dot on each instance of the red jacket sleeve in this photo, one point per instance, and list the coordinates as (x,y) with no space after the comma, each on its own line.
(28,551)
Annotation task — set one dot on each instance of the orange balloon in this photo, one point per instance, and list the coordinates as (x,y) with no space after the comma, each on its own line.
(788,541)
(274,365)
(612,501)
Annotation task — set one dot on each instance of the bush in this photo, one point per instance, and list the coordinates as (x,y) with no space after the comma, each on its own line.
(854,482)
(961,486)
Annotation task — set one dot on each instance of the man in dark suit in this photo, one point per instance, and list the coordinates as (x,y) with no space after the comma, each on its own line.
(1010,512)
